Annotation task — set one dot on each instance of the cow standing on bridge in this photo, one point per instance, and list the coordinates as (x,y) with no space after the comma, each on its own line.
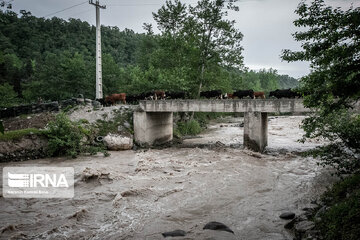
(284,93)
(259,95)
(212,94)
(158,94)
(175,95)
(243,93)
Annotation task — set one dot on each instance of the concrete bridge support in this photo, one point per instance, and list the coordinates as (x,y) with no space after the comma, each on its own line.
(255,130)
(153,128)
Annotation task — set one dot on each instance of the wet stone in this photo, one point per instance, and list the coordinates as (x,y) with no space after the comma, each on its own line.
(287,215)
(218,226)
(304,226)
(290,224)
(176,233)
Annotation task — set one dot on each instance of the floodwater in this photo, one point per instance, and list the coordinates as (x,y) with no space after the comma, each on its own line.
(139,195)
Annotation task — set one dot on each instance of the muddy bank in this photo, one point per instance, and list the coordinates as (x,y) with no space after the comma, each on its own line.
(26,148)
(139,195)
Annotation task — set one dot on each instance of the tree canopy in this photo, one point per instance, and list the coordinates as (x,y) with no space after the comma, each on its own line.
(331,42)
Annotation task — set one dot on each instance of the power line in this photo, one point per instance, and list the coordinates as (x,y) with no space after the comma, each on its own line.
(65,9)
(140,4)
(144,4)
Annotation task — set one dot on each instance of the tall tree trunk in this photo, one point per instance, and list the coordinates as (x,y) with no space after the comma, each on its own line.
(201,79)
(200,85)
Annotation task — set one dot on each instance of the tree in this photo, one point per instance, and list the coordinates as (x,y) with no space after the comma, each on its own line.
(201,38)
(331,43)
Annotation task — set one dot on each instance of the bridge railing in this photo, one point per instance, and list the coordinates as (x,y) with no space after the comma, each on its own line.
(225,105)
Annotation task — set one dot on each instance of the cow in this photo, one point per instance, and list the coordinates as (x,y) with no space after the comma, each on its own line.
(284,93)
(146,96)
(132,98)
(212,94)
(230,96)
(175,95)
(114,98)
(243,93)
(159,95)
(259,95)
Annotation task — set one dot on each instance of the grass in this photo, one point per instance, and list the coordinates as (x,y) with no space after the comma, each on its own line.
(111,126)
(342,218)
(17,134)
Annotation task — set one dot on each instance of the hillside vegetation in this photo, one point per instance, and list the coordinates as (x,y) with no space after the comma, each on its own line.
(55,59)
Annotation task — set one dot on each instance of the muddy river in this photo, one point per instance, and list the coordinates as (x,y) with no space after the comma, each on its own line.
(141,194)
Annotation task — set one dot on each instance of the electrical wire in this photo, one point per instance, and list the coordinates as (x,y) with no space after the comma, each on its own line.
(65,9)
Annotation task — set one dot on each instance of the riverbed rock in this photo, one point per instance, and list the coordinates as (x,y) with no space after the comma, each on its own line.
(287,215)
(290,224)
(320,212)
(176,233)
(127,125)
(117,142)
(303,226)
(218,226)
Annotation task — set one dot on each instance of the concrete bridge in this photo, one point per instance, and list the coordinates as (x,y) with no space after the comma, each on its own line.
(153,122)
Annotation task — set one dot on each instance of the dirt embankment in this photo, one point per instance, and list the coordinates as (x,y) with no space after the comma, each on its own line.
(38,121)
(25,148)
(31,146)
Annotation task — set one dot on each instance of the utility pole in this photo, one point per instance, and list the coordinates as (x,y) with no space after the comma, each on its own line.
(99,87)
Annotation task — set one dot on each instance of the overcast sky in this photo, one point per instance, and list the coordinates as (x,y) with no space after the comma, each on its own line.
(266,24)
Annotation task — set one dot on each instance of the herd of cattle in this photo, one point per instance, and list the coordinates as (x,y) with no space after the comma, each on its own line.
(213,94)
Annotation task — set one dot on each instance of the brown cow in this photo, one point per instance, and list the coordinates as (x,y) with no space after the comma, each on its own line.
(259,95)
(114,98)
(230,96)
(159,95)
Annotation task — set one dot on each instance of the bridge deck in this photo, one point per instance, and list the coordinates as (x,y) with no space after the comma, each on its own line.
(240,105)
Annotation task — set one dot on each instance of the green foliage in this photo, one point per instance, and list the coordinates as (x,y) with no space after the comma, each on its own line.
(285,81)
(343,130)
(8,96)
(191,127)
(331,43)
(198,39)
(70,138)
(204,117)
(55,59)
(342,219)
(17,134)
(60,77)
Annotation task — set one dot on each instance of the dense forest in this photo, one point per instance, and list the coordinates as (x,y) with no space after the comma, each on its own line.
(55,59)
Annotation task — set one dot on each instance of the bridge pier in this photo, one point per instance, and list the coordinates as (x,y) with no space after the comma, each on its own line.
(255,130)
(153,128)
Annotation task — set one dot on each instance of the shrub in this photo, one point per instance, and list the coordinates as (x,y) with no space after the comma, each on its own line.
(342,219)
(70,138)
(191,127)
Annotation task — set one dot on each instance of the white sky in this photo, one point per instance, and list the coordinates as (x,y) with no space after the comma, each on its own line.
(266,24)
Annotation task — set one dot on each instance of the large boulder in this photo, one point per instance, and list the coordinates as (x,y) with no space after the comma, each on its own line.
(117,142)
